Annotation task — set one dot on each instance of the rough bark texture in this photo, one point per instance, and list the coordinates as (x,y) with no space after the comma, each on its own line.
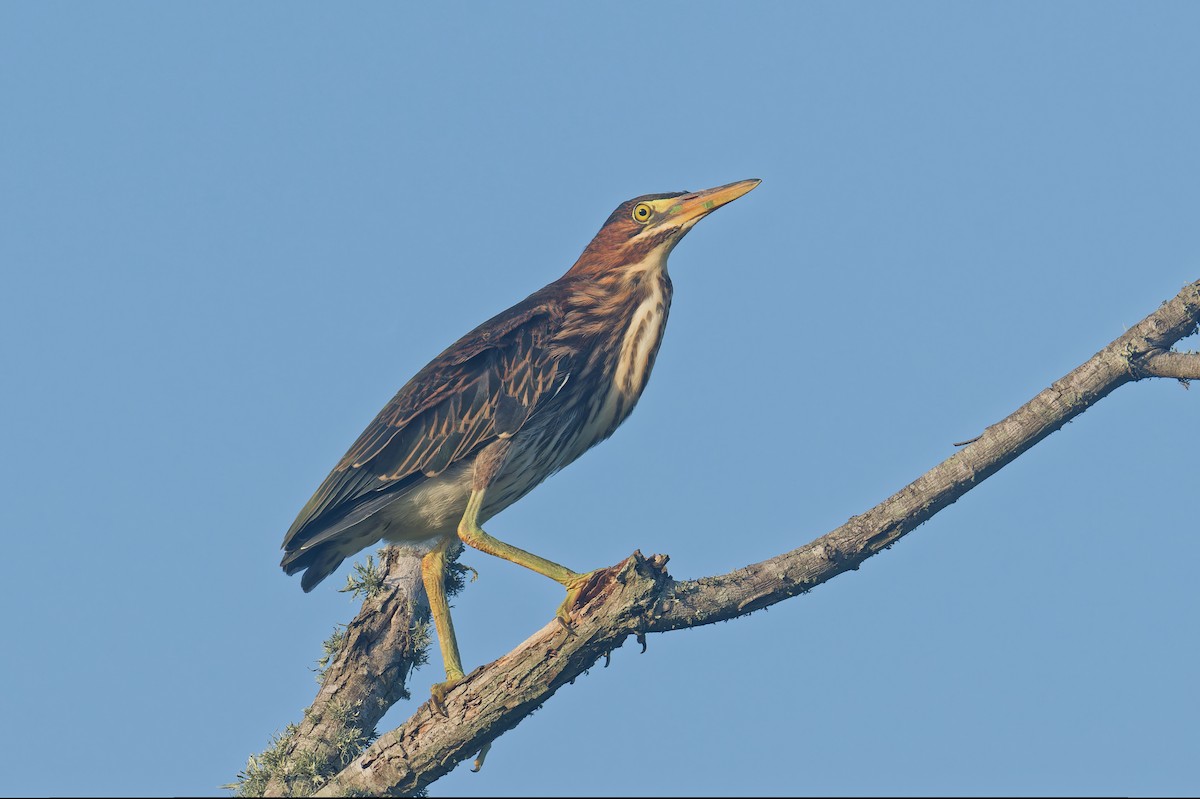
(363,679)
(638,596)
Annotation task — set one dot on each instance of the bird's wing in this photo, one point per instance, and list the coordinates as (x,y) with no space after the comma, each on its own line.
(483,387)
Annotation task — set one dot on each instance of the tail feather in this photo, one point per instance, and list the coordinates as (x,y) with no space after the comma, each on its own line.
(317,564)
(318,572)
(322,559)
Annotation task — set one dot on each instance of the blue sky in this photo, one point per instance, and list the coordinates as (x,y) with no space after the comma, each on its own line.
(230,232)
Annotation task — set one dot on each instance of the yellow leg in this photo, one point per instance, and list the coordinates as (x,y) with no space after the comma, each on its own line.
(473,535)
(433,573)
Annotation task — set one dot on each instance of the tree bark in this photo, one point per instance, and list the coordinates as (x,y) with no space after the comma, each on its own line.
(638,596)
(365,677)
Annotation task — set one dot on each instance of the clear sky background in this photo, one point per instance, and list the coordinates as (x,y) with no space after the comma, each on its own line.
(229,232)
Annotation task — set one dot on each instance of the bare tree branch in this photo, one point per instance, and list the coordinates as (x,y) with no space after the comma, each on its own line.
(638,596)
(1137,354)
(1179,365)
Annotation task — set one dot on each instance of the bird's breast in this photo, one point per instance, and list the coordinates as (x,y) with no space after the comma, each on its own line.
(599,393)
(639,346)
(636,347)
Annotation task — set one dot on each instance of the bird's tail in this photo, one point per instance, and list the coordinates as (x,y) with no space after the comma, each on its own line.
(316,562)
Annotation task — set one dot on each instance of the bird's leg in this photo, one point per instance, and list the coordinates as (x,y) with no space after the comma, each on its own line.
(433,573)
(473,535)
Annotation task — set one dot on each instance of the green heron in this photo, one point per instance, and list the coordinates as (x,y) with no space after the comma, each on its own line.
(505,407)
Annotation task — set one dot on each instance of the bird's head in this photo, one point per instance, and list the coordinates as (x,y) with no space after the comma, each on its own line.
(647,228)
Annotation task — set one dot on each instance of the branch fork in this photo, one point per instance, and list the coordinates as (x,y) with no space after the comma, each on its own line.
(494,698)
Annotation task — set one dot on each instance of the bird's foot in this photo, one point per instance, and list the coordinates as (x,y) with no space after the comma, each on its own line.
(441,689)
(575,587)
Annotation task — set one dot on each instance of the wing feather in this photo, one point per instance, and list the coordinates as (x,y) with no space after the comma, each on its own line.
(485,386)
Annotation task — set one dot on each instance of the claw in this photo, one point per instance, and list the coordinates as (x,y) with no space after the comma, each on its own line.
(481,756)
(439,691)
(575,588)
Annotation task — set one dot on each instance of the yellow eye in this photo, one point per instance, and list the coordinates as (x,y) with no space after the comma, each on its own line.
(642,213)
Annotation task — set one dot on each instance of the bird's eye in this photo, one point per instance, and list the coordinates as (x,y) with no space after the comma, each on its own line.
(642,213)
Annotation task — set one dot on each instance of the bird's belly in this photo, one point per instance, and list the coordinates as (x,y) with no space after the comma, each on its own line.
(542,449)
(527,464)
(433,507)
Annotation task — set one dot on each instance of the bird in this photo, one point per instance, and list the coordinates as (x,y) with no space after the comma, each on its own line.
(507,405)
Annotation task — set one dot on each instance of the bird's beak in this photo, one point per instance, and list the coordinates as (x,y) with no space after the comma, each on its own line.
(691,208)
